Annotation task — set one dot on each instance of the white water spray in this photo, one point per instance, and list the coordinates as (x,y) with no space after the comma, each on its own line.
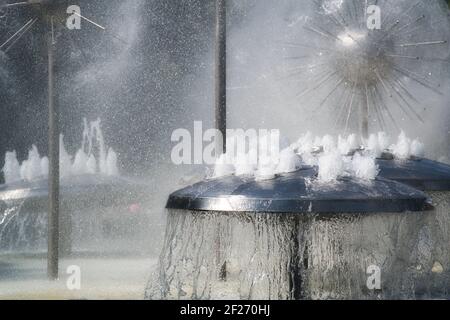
(93,157)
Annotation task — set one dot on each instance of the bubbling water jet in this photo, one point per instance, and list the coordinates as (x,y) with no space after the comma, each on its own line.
(84,162)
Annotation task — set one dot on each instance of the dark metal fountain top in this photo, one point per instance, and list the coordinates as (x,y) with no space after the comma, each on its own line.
(420,173)
(298,193)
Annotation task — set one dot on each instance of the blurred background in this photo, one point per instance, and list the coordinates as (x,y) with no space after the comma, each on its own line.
(136,77)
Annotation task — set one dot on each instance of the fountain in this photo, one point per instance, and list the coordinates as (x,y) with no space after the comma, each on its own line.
(99,206)
(309,234)
(287,238)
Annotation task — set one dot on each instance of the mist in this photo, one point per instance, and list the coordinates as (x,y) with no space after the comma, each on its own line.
(267,49)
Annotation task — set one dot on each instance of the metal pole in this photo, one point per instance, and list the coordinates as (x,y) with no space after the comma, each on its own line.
(221,107)
(53,144)
(365,122)
(221,71)
(364,114)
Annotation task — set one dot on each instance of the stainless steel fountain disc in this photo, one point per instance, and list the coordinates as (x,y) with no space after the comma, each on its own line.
(420,173)
(298,192)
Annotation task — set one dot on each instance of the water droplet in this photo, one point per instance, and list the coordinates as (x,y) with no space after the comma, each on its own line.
(437,268)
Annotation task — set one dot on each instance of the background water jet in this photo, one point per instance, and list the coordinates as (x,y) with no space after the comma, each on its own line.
(102,211)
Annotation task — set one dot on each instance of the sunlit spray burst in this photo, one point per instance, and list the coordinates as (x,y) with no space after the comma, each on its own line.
(363,73)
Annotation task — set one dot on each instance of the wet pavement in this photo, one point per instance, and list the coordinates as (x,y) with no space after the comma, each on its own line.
(24,277)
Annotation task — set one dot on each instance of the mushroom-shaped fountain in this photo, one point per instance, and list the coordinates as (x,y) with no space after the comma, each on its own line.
(290,237)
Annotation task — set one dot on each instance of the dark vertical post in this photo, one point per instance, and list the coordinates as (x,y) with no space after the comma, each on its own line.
(221,105)
(365,115)
(221,70)
(297,263)
(53,145)
(364,122)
